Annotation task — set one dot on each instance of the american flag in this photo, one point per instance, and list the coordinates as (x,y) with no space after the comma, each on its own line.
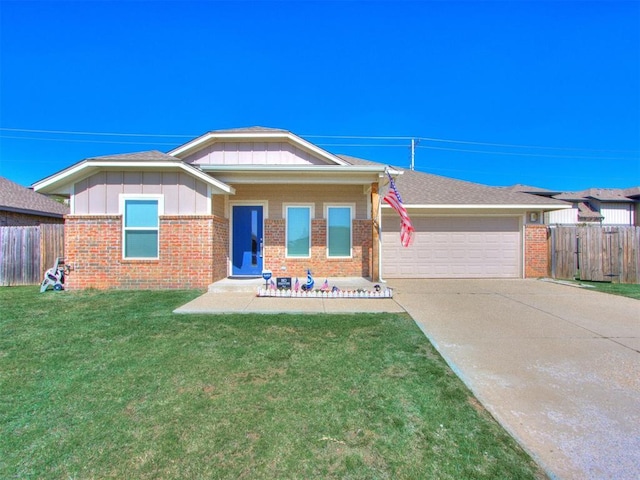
(406,228)
(296,286)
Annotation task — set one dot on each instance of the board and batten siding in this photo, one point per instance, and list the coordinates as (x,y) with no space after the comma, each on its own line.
(617,213)
(613,213)
(254,153)
(567,216)
(319,195)
(99,194)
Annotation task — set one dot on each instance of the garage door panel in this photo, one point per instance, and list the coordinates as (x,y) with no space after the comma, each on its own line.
(457,247)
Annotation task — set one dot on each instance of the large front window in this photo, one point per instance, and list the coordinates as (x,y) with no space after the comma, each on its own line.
(141,227)
(338,231)
(298,220)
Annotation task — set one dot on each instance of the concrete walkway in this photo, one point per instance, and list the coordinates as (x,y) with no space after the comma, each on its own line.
(557,366)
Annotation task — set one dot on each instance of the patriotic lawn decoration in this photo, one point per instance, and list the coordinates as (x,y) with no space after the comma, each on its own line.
(310,282)
(406,228)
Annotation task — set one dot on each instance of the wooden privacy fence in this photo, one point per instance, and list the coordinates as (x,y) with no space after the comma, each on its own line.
(599,254)
(27,252)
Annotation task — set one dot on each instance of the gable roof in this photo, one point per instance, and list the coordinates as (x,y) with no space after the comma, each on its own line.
(600,194)
(587,212)
(147,156)
(530,189)
(16,198)
(152,159)
(258,134)
(425,189)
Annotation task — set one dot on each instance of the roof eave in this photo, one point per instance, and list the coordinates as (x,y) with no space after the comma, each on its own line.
(302,168)
(32,212)
(61,181)
(475,206)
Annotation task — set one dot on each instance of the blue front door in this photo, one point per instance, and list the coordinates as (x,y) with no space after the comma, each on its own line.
(247,240)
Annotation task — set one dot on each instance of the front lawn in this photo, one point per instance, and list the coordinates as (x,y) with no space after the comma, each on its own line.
(113,385)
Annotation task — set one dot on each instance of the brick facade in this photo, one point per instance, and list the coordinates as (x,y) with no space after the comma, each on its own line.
(536,251)
(321,266)
(192,254)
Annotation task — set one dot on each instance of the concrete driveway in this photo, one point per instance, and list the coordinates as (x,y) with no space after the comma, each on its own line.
(557,366)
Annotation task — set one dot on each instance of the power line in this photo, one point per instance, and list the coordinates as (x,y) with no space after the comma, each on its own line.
(76,140)
(111,134)
(345,137)
(509,145)
(521,154)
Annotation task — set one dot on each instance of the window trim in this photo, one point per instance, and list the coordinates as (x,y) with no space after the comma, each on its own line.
(285,215)
(352,209)
(140,196)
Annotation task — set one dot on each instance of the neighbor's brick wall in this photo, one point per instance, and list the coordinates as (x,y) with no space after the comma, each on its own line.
(93,247)
(536,251)
(14,219)
(320,265)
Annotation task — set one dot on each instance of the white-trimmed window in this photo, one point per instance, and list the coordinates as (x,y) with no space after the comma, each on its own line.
(141,225)
(298,230)
(339,230)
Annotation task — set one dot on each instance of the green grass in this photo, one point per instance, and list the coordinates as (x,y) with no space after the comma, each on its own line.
(112,385)
(624,289)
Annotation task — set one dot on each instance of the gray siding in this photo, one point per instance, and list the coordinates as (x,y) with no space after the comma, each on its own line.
(99,194)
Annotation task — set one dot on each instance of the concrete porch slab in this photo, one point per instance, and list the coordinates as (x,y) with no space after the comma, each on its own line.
(227,285)
(248,302)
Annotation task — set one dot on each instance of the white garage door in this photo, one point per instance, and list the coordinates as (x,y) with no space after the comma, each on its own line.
(456,247)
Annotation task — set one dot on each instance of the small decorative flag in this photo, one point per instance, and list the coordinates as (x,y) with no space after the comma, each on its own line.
(325,285)
(296,286)
(310,281)
(406,227)
(272,285)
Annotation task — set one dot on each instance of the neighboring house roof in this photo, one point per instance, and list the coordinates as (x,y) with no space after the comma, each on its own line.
(633,192)
(16,198)
(425,189)
(152,159)
(535,190)
(600,194)
(587,212)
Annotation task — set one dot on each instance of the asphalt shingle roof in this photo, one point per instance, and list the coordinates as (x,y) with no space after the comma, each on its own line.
(256,129)
(14,197)
(147,156)
(419,188)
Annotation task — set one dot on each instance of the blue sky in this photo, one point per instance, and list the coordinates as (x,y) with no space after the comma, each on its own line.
(539,93)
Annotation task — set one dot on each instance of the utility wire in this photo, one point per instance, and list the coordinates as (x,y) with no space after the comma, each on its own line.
(76,140)
(110,134)
(345,137)
(521,154)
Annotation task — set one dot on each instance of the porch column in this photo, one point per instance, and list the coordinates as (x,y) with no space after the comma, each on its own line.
(375,233)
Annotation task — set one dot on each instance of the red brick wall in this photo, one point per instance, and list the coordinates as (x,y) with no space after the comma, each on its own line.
(220,247)
(14,219)
(188,250)
(536,251)
(320,265)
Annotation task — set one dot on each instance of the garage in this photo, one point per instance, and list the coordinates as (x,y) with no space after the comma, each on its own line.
(453,247)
